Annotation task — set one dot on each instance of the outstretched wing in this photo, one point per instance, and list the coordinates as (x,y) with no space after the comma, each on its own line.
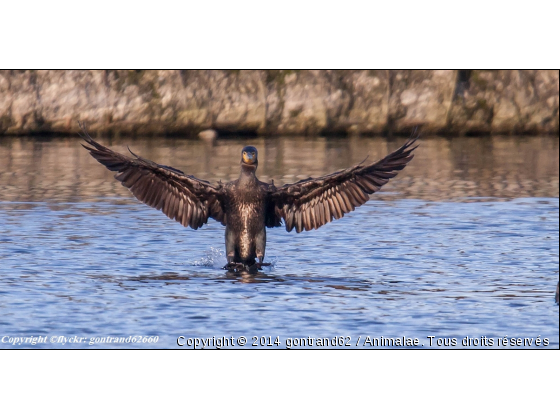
(184,198)
(313,202)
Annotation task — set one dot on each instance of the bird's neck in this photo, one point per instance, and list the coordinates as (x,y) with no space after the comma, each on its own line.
(247,174)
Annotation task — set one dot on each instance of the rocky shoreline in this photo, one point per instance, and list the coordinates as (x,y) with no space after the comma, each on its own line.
(279,102)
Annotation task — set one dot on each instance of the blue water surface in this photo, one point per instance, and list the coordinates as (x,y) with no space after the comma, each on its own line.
(391,269)
(462,243)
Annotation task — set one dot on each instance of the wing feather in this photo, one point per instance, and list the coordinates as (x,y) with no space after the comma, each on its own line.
(184,198)
(313,202)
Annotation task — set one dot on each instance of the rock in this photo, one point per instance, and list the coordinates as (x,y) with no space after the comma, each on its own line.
(278,102)
(208,135)
(420,98)
(506,102)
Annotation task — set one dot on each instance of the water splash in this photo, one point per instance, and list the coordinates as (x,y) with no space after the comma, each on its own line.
(215,258)
(272,261)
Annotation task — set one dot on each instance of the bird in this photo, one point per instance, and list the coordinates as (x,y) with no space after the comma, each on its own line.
(247,206)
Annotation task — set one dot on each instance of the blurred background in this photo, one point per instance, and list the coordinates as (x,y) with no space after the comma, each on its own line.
(280,102)
(484,133)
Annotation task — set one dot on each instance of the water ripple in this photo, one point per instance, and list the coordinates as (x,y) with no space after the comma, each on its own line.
(406,267)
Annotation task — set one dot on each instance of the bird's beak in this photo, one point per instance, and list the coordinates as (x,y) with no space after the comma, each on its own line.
(249,158)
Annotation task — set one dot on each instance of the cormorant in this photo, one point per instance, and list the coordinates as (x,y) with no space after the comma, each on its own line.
(247,206)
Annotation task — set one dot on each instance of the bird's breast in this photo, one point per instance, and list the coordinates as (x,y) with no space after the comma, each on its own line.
(245,219)
(246,210)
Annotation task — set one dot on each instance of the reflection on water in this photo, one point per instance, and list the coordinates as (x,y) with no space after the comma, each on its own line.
(463,242)
(503,167)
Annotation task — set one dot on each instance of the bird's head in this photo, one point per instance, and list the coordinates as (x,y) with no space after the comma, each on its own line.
(249,156)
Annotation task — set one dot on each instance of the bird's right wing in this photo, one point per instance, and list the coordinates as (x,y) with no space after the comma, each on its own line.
(313,202)
(184,198)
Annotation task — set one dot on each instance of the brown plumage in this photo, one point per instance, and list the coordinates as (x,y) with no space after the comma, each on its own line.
(313,202)
(184,198)
(246,206)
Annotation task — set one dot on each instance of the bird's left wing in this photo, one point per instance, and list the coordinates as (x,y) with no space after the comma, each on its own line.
(184,198)
(313,202)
